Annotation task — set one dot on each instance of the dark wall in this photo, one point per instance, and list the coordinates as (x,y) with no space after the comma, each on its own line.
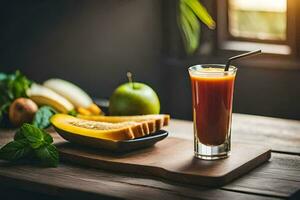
(92,43)
(268,87)
(269,92)
(260,91)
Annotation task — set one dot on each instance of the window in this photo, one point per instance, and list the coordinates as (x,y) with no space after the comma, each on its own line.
(266,24)
(257,19)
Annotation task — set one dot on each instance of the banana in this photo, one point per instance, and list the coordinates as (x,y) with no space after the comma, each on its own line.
(79,98)
(45,96)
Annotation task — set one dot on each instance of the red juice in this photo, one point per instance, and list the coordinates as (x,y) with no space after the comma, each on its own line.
(212,92)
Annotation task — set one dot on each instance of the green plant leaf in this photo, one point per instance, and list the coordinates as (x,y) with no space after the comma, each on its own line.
(33,135)
(12,86)
(190,28)
(15,150)
(187,34)
(48,155)
(191,11)
(42,117)
(17,85)
(201,13)
(47,138)
(32,142)
(19,135)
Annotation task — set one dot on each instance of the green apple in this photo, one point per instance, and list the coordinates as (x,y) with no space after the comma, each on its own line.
(134,98)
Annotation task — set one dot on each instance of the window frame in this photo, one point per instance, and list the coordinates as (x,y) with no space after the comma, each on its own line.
(226,41)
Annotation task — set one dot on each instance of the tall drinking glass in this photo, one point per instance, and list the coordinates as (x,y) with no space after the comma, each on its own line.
(212,91)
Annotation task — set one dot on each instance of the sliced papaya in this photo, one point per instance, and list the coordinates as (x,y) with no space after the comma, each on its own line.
(80,130)
(154,122)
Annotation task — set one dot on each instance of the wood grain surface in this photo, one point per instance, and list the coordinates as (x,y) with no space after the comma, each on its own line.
(281,135)
(88,183)
(171,159)
(275,179)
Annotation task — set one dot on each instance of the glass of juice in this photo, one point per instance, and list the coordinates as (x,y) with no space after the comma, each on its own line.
(212,92)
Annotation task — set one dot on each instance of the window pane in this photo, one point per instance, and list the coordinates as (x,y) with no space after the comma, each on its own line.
(258,19)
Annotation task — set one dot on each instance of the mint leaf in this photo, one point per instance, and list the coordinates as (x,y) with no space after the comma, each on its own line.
(15,150)
(42,117)
(48,154)
(34,135)
(32,142)
(47,138)
(19,135)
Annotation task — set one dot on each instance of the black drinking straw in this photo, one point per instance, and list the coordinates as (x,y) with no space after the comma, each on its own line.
(251,53)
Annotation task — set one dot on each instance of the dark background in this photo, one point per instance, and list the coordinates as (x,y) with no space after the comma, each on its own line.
(93,43)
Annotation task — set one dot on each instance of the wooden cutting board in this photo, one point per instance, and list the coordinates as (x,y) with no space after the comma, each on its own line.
(172,159)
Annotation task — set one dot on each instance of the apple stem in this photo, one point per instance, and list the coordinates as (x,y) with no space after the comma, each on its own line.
(130,79)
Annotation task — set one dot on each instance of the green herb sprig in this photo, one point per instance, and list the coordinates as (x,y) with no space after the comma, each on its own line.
(12,86)
(42,117)
(31,142)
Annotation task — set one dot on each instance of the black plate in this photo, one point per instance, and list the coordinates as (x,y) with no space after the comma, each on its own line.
(120,146)
(146,141)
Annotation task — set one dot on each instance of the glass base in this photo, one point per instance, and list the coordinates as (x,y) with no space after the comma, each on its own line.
(206,152)
(213,157)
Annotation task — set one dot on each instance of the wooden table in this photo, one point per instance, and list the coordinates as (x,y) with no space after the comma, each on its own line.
(277,179)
